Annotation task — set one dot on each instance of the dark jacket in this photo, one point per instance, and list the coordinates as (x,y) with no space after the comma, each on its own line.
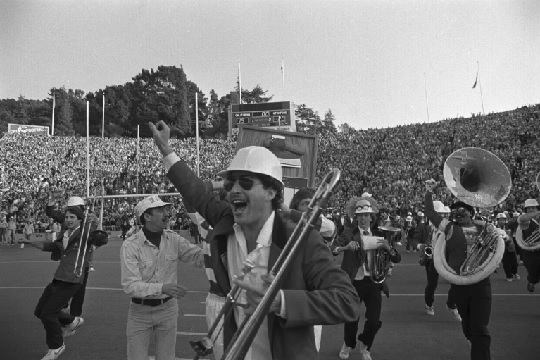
(315,290)
(353,259)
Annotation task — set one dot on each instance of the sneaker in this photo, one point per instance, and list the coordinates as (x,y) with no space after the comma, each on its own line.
(53,354)
(516,277)
(454,312)
(364,352)
(530,287)
(77,323)
(22,246)
(399,243)
(91,268)
(429,310)
(510,279)
(344,352)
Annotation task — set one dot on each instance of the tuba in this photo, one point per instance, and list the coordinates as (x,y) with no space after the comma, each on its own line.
(479,178)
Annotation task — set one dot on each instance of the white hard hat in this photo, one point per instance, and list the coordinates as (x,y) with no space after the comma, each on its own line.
(150,202)
(75,201)
(255,159)
(501,216)
(531,203)
(438,206)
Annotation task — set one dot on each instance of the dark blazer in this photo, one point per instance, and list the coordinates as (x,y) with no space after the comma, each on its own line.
(352,259)
(315,290)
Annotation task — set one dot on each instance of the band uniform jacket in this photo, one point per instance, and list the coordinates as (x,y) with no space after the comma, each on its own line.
(314,270)
(67,256)
(353,259)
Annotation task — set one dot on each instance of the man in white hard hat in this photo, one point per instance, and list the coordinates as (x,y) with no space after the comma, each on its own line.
(51,210)
(249,227)
(529,225)
(432,276)
(149,266)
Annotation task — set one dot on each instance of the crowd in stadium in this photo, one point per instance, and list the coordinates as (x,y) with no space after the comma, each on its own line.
(391,163)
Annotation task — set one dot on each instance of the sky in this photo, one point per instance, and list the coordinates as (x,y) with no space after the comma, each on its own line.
(374,63)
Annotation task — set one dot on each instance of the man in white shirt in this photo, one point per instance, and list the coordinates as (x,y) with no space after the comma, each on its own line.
(149,262)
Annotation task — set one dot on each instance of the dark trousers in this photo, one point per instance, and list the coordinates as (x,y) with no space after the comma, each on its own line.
(432,282)
(75,307)
(474,306)
(49,310)
(531,260)
(370,294)
(510,265)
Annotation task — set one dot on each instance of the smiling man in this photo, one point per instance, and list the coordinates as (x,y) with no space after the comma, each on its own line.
(248,226)
(149,265)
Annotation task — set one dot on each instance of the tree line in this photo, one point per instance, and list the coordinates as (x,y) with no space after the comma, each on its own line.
(165,94)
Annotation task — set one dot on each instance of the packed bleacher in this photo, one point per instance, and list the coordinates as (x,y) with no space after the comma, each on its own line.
(391,163)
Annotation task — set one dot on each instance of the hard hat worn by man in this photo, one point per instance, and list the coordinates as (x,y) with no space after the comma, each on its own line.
(248,225)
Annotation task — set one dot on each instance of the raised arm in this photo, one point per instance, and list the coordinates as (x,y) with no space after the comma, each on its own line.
(431,214)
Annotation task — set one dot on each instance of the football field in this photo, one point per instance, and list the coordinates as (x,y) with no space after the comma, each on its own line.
(406,333)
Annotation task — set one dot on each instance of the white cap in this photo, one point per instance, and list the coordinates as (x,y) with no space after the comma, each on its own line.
(255,159)
(366,194)
(75,201)
(531,203)
(501,216)
(363,207)
(153,201)
(438,206)
(420,214)
(408,218)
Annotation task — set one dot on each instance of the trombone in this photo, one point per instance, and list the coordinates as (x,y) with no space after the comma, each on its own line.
(242,339)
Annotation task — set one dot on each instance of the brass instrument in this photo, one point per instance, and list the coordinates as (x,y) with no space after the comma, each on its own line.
(531,243)
(380,263)
(243,338)
(478,178)
(83,246)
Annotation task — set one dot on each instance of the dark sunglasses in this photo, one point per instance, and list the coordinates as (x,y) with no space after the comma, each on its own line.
(245,182)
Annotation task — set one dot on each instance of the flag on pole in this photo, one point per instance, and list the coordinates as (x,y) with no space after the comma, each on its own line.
(476,80)
(239,85)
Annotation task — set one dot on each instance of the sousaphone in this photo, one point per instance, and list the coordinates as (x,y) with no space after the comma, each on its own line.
(532,243)
(480,179)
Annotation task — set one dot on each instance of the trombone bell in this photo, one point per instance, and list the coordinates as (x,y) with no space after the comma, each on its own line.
(477,177)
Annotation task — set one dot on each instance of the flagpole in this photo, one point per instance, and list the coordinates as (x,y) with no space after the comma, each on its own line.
(103,118)
(197,130)
(53,106)
(137,157)
(87,149)
(427,100)
(239,85)
(283,78)
(481,96)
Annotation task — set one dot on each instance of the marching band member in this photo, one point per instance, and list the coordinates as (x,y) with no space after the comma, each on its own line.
(431,273)
(300,202)
(65,283)
(529,224)
(473,301)
(149,269)
(356,265)
(249,226)
(509,260)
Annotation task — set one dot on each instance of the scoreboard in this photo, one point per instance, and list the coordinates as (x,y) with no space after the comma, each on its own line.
(274,115)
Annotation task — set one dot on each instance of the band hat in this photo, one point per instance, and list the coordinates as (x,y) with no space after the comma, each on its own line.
(408,218)
(438,206)
(75,201)
(364,207)
(460,203)
(420,214)
(501,216)
(153,201)
(531,203)
(257,160)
